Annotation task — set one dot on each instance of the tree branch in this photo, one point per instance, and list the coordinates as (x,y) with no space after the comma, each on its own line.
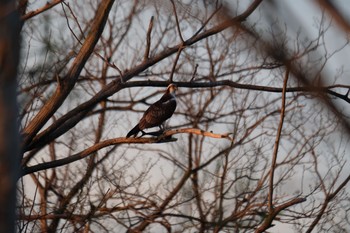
(148,38)
(166,137)
(277,142)
(271,216)
(46,7)
(69,81)
(229,83)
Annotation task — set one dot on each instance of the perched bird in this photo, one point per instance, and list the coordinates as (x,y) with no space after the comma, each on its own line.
(157,113)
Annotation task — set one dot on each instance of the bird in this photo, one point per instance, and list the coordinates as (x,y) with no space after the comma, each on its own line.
(157,113)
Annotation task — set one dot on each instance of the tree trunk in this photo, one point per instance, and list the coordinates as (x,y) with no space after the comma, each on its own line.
(9,139)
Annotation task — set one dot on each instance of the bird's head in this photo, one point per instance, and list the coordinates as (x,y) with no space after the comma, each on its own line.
(172,88)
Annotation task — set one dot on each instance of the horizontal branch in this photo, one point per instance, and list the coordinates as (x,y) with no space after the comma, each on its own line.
(310,89)
(198,132)
(165,137)
(69,120)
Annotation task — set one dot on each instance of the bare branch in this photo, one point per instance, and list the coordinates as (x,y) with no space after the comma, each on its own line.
(148,38)
(97,146)
(277,142)
(40,10)
(177,21)
(69,81)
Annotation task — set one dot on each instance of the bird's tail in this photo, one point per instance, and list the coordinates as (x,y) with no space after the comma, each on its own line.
(134,131)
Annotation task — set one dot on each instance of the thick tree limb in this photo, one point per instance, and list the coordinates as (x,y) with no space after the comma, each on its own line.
(70,79)
(336,15)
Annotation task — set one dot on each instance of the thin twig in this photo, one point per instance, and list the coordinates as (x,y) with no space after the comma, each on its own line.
(68,24)
(46,7)
(194,73)
(177,21)
(277,142)
(75,19)
(148,39)
(175,63)
(206,22)
(112,65)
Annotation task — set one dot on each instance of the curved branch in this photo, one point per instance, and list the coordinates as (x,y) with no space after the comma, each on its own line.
(166,137)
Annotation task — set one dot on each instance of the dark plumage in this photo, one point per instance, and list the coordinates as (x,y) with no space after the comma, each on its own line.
(158,112)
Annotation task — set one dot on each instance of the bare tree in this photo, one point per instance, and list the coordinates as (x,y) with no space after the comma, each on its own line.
(258,140)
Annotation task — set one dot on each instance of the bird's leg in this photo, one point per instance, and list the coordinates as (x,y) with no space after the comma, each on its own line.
(161,128)
(155,133)
(143,133)
(161,132)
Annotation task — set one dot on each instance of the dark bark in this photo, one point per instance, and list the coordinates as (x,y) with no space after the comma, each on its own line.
(9,137)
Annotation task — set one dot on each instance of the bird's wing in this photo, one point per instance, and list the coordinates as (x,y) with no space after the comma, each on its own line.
(157,113)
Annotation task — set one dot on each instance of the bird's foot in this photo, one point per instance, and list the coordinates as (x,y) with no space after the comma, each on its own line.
(143,133)
(156,133)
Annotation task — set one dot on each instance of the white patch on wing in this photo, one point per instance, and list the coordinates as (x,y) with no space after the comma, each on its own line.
(169,101)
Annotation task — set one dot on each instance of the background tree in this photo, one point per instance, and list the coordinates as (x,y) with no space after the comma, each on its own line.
(259,138)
